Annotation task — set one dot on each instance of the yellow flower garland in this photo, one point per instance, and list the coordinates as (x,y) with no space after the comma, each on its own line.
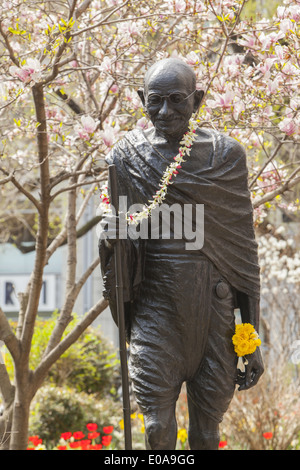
(245,339)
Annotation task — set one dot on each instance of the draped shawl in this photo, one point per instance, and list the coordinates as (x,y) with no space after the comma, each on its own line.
(215,174)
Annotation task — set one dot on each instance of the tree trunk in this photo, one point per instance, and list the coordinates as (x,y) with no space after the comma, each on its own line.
(6,425)
(20,423)
(21,408)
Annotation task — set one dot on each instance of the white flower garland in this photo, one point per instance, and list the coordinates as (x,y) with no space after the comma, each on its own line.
(172,170)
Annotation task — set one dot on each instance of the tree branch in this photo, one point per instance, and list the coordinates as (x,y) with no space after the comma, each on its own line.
(42,140)
(6,387)
(103,21)
(27,194)
(77,287)
(77,185)
(79,233)
(61,238)
(8,336)
(9,48)
(81,9)
(7,179)
(227,37)
(276,150)
(65,315)
(36,279)
(288,185)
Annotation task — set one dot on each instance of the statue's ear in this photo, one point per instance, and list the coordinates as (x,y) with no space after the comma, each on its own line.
(197,100)
(141,95)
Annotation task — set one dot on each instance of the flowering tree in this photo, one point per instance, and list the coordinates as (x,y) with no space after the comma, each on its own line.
(69,74)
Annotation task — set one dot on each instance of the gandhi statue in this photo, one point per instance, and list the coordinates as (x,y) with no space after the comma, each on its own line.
(180,303)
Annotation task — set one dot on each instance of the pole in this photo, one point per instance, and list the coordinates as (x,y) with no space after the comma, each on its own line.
(121,316)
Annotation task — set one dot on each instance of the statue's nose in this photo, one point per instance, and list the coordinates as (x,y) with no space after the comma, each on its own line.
(165,108)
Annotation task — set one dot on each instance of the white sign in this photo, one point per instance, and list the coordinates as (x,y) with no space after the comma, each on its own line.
(12,284)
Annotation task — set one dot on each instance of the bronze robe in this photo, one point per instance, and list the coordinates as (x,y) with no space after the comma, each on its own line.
(215,174)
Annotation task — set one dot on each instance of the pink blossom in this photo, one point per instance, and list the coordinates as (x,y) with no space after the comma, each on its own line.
(273,86)
(293,105)
(108,136)
(114,88)
(279,52)
(267,112)
(82,134)
(238,107)
(271,177)
(281,12)
(51,113)
(270,39)
(24,74)
(248,41)
(31,71)
(143,123)
(132,97)
(294,11)
(87,128)
(288,126)
(231,15)
(232,64)
(192,58)
(178,5)
(287,25)
(259,214)
(89,124)
(265,66)
(226,100)
(132,28)
(199,7)
(106,64)
(289,69)
(129,29)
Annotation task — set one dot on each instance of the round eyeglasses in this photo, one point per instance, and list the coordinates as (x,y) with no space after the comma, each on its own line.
(154,99)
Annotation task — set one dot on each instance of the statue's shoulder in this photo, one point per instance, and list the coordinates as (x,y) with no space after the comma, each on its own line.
(225,147)
(124,146)
(131,138)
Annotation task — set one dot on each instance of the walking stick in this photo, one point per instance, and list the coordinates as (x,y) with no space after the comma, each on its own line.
(121,316)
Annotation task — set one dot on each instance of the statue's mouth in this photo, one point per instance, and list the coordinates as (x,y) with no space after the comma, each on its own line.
(168,119)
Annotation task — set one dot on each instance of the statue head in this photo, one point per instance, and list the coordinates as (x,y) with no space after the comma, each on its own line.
(170,96)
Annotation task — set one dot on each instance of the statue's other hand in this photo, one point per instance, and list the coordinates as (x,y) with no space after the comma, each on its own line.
(254,369)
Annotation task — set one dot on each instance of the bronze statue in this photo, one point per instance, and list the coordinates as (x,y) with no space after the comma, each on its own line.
(180,302)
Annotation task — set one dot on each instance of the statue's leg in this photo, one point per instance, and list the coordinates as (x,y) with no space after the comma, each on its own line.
(203,431)
(211,389)
(160,429)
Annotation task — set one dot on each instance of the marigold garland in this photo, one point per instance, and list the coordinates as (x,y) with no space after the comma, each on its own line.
(171,170)
(245,339)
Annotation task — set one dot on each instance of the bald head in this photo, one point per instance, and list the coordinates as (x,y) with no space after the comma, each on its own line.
(170,96)
(170,66)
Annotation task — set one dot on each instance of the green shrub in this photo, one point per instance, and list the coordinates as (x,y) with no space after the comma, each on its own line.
(90,365)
